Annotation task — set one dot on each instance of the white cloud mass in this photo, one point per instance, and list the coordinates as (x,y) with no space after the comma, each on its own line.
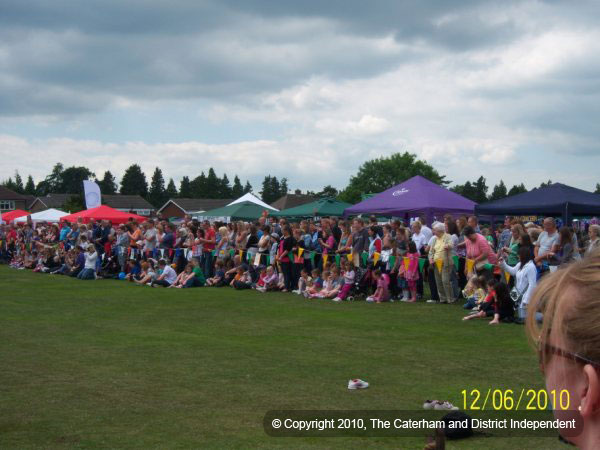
(306,90)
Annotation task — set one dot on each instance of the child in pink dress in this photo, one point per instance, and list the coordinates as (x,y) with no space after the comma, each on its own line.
(348,276)
(410,275)
(382,293)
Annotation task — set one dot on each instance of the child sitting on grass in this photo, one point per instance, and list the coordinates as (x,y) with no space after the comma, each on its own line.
(481,310)
(382,294)
(498,305)
(474,291)
(219,278)
(315,285)
(303,282)
(268,280)
(325,285)
(348,275)
(183,277)
(335,284)
(260,284)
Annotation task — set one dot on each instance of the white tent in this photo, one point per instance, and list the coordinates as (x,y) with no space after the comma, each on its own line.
(49,215)
(251,198)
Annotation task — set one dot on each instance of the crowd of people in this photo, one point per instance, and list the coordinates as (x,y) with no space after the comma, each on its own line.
(494,271)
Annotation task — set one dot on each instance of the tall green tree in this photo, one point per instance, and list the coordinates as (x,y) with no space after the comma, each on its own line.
(283,187)
(517,189)
(156,194)
(476,191)
(247,188)
(71,180)
(270,189)
(108,184)
(19,183)
(328,191)
(546,184)
(134,182)
(597,191)
(224,187)
(185,188)
(171,191)
(237,190)
(198,186)
(213,184)
(9,184)
(52,182)
(30,186)
(499,191)
(380,174)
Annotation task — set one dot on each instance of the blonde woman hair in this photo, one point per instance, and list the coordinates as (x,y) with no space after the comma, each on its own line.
(224,232)
(569,300)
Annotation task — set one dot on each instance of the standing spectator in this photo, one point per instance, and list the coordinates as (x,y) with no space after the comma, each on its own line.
(442,249)
(286,245)
(545,243)
(479,250)
(208,245)
(149,239)
(505,237)
(360,241)
(594,242)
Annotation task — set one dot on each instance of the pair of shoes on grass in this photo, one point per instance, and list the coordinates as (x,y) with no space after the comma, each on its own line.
(440,406)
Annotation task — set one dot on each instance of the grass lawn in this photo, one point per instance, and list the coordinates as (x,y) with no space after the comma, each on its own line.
(104,363)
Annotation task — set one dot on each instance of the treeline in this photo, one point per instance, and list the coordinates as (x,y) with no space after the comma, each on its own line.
(70,181)
(373,176)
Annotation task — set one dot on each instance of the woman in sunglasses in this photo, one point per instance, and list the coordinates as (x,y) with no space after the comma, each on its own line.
(568,341)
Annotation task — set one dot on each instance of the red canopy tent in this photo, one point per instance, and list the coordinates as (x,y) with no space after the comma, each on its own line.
(103,212)
(12,215)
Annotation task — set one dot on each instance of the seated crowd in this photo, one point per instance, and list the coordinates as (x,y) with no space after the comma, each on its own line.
(494,271)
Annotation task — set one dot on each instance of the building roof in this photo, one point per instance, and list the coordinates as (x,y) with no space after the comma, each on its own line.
(52,200)
(7,194)
(197,204)
(129,202)
(292,200)
(29,199)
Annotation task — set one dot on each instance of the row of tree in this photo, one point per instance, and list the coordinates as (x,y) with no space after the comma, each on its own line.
(70,181)
(373,176)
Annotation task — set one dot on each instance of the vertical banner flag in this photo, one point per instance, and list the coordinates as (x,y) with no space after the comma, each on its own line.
(392,261)
(349,256)
(455,259)
(376,257)
(92,194)
(406,263)
(257,260)
(325,259)
(421,264)
(300,251)
(337,260)
(507,276)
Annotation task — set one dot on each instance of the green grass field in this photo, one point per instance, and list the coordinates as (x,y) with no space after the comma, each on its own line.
(104,363)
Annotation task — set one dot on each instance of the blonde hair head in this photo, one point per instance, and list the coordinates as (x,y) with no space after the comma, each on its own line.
(569,300)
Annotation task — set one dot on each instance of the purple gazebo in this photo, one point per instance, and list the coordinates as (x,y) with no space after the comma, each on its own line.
(415,196)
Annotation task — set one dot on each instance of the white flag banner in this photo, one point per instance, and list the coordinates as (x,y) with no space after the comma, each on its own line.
(92,194)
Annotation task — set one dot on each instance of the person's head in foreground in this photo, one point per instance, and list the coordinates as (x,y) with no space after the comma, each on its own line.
(568,340)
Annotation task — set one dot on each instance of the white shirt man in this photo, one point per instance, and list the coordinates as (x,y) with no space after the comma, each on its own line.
(418,237)
(149,238)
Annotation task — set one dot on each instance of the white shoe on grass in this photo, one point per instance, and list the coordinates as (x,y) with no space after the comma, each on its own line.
(431,404)
(357,384)
(445,406)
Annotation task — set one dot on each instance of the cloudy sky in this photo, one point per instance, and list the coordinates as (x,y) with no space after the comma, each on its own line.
(307,90)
